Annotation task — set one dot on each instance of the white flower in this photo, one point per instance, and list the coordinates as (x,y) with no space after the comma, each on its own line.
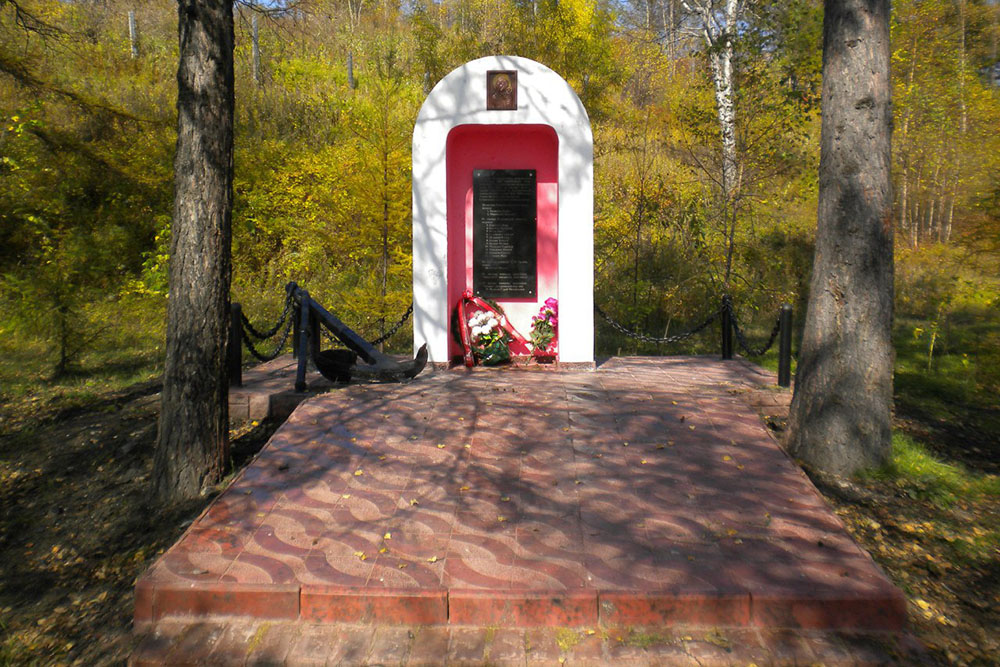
(477,331)
(503,320)
(472,322)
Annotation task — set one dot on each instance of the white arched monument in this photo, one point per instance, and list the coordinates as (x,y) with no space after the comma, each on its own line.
(500,117)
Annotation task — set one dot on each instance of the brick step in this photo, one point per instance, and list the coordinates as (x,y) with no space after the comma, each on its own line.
(851,606)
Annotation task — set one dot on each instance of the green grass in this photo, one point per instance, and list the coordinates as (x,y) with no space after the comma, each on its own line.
(920,474)
(126,351)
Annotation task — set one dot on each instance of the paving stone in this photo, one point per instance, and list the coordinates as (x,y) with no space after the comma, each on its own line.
(274,644)
(787,647)
(157,643)
(235,643)
(391,645)
(323,644)
(869,649)
(429,646)
(506,647)
(541,647)
(195,644)
(467,646)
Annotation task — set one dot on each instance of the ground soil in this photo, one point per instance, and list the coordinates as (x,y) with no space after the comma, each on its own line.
(77,527)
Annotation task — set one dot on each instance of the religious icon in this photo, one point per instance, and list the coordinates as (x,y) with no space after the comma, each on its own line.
(501,89)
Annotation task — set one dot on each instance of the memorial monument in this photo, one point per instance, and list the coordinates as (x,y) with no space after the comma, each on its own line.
(503,204)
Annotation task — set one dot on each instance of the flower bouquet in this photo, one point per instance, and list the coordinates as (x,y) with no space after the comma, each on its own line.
(544,327)
(489,339)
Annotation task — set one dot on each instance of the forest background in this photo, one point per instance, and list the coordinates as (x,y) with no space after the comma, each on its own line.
(322,189)
(324,117)
(325,112)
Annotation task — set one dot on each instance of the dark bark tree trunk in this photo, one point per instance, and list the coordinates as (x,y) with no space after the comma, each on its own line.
(193,440)
(840,418)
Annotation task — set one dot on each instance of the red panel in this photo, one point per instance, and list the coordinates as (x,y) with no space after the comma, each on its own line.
(473,147)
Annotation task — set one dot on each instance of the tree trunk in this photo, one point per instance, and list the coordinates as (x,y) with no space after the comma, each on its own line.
(840,419)
(192,444)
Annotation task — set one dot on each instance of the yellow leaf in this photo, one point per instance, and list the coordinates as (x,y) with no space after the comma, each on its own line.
(387,536)
(727,457)
(643,462)
(440,446)
(505,499)
(383,550)
(432,559)
(673,402)
(923,604)
(402,566)
(501,518)
(359,472)
(414,502)
(346,496)
(464,488)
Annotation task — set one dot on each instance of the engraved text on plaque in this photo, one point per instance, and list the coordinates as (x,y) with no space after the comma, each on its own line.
(504,231)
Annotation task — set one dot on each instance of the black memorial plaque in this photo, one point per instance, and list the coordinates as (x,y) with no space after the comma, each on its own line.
(504,232)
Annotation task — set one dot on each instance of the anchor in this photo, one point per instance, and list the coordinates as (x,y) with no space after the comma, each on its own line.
(360,360)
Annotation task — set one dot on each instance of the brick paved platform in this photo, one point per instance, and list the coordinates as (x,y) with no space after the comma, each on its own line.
(645,493)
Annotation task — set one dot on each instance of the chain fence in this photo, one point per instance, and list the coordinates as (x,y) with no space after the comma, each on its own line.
(645,338)
(741,336)
(381,339)
(277,349)
(727,305)
(249,328)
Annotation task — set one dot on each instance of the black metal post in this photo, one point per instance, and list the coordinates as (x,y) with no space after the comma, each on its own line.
(314,335)
(785,347)
(303,337)
(296,325)
(234,353)
(727,328)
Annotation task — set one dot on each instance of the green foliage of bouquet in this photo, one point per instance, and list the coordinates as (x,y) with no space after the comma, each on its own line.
(489,339)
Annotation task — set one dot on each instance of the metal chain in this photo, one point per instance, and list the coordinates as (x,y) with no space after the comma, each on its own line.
(277,349)
(676,338)
(741,338)
(391,332)
(273,330)
(384,337)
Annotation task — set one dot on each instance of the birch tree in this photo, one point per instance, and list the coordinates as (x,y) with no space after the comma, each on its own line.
(716,22)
